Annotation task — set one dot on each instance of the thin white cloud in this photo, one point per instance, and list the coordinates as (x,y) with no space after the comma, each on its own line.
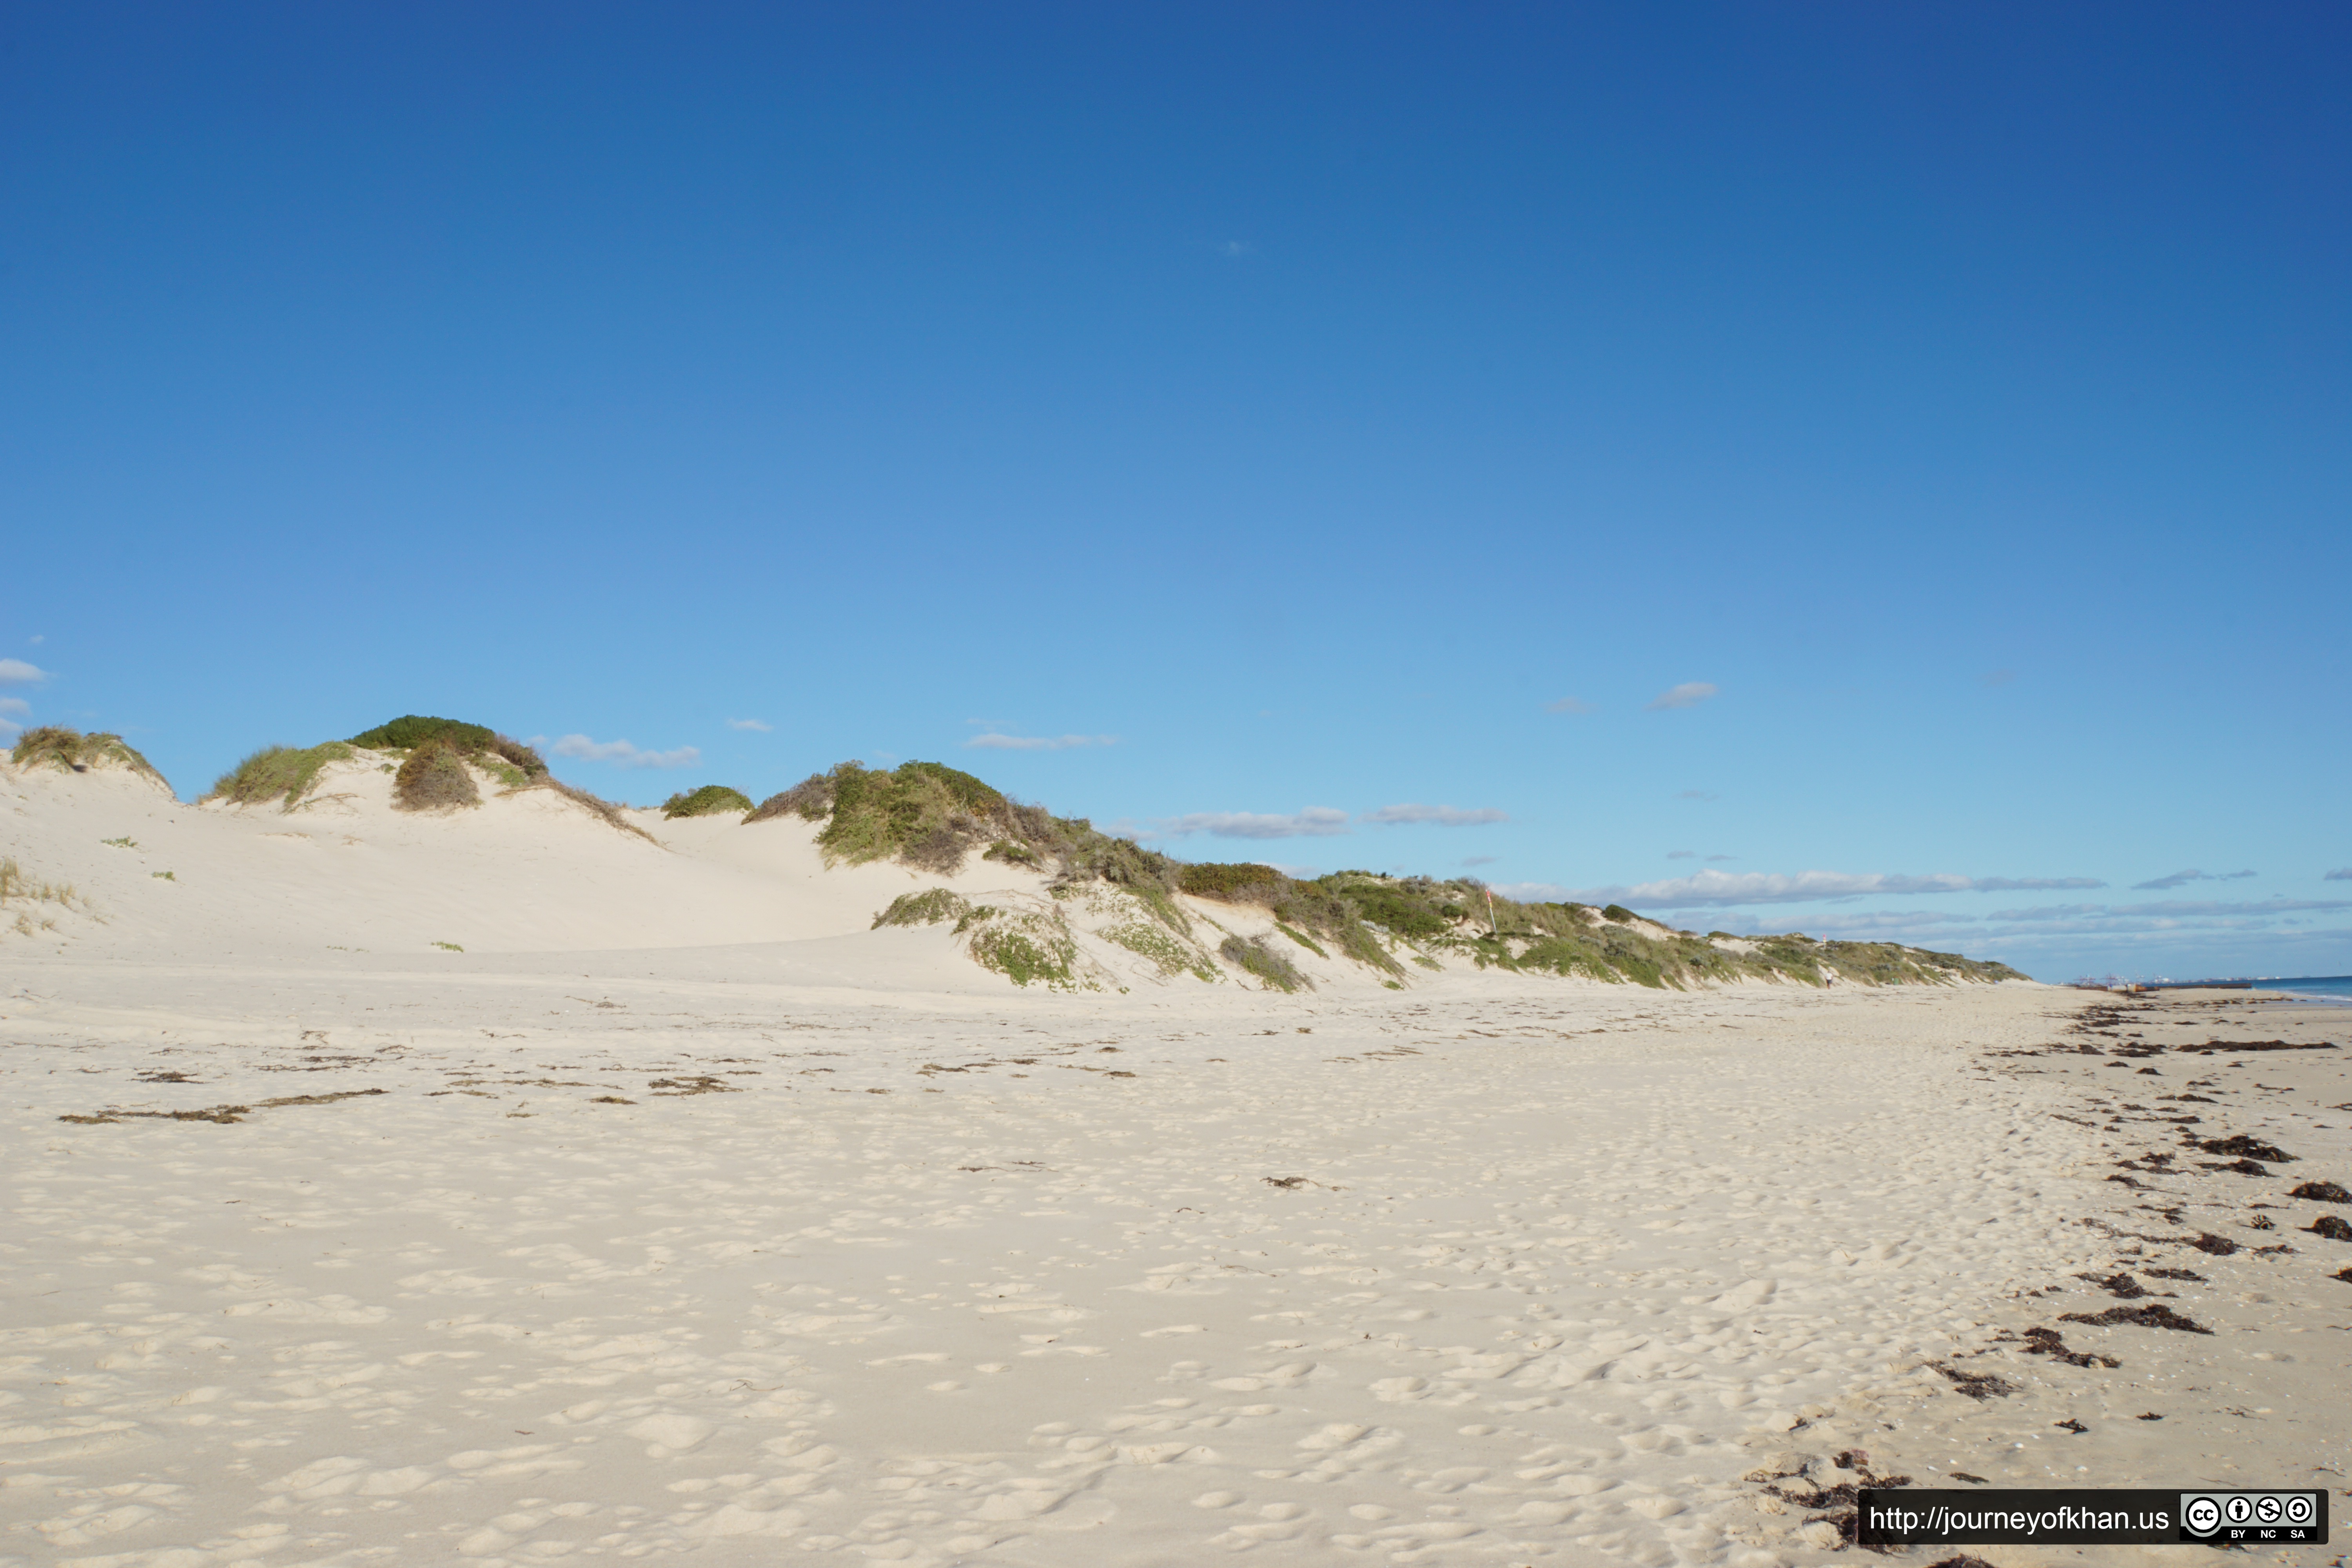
(756,725)
(1712,859)
(2341,874)
(1689,694)
(2178,878)
(1478,859)
(1415,814)
(1682,854)
(1315,822)
(620,754)
(1569,705)
(15,708)
(17,672)
(1717,889)
(992,741)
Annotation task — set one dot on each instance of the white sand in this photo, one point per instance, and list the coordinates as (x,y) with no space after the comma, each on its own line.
(887,1260)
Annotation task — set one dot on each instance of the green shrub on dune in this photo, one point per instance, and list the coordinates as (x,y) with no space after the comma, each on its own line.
(410,731)
(434,776)
(710,800)
(516,765)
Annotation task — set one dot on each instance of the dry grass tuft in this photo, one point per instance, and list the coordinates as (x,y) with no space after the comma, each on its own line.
(609,811)
(432,777)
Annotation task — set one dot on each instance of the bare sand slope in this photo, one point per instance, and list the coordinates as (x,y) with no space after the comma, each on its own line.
(529,872)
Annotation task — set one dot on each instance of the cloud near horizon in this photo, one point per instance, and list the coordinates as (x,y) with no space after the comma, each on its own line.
(1569,705)
(2162,883)
(620,754)
(1689,694)
(2063,925)
(1437,816)
(760,725)
(992,741)
(2341,874)
(17,672)
(1315,822)
(1717,889)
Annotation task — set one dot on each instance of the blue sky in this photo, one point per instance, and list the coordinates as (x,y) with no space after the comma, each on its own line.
(1857,468)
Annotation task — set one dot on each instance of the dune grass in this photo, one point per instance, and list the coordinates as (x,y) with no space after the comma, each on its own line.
(54,745)
(710,800)
(1271,969)
(277,773)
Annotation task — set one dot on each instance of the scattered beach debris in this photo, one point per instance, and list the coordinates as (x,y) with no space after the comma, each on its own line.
(222,1115)
(2322,1193)
(2332,1227)
(1977,1385)
(2250,1148)
(2154,1316)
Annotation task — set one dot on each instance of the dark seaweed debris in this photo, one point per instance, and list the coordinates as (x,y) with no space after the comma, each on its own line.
(2250,1148)
(2154,1316)
(2332,1227)
(1976,1385)
(2050,1342)
(2322,1193)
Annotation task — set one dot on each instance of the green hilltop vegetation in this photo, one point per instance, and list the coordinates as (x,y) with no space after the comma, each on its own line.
(931,817)
(432,763)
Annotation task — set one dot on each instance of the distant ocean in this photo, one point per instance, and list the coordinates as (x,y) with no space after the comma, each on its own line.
(2328,988)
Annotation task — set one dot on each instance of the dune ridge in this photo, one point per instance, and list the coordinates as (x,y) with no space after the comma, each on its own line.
(462,838)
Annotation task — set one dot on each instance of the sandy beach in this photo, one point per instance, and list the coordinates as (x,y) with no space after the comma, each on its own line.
(591,1234)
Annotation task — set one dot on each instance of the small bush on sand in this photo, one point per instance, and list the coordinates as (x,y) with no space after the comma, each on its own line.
(710,800)
(410,731)
(434,776)
(1277,973)
(54,745)
(276,773)
(928,908)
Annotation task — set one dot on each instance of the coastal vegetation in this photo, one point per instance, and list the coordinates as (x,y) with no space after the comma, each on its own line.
(929,817)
